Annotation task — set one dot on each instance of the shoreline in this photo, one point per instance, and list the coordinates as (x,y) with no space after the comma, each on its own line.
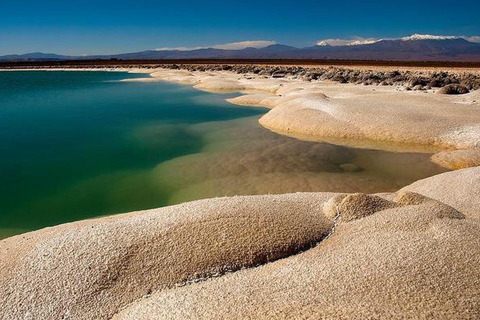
(266,91)
(330,108)
(371,74)
(328,111)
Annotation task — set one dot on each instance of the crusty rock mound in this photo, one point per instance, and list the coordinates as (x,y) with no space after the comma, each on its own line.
(359,205)
(453,89)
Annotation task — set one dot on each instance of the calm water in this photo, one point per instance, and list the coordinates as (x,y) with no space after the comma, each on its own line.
(63,130)
(75,145)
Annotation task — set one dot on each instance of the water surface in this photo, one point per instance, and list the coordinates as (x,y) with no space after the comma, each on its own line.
(76,145)
(64,130)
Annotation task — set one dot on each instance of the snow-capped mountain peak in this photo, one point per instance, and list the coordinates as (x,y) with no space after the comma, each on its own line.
(417,36)
(323,44)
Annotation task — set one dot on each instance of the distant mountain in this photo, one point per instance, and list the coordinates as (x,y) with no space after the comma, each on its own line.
(34,56)
(401,50)
(413,48)
(273,51)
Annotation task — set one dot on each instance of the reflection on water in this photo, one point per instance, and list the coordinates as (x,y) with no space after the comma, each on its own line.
(87,146)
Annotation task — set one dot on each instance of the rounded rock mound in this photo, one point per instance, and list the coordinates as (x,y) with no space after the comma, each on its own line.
(91,269)
(453,89)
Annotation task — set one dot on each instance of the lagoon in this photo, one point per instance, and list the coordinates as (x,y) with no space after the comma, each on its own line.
(76,145)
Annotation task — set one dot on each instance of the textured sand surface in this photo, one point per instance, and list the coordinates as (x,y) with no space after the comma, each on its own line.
(408,262)
(459,189)
(91,269)
(389,256)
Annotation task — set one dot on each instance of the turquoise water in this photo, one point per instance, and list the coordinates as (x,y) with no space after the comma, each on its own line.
(85,130)
(76,145)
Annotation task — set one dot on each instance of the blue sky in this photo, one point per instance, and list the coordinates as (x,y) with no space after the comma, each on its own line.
(97,27)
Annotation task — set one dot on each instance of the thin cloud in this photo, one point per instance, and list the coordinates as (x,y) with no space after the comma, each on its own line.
(245,44)
(348,42)
(226,46)
(472,39)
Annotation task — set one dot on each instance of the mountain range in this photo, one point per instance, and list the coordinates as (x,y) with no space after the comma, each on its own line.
(414,48)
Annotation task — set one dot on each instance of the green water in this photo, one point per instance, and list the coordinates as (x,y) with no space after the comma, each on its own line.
(70,140)
(76,145)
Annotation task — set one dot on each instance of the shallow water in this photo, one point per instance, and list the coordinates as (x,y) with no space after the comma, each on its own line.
(76,145)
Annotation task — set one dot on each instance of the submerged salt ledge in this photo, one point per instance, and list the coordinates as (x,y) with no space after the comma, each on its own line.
(243,158)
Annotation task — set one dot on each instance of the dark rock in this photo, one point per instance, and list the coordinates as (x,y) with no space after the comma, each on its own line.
(340,79)
(278,74)
(453,89)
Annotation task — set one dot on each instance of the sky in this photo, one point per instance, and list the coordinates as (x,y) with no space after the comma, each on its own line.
(106,26)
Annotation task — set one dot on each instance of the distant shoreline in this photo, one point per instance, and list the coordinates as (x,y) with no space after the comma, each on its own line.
(413,77)
(283,62)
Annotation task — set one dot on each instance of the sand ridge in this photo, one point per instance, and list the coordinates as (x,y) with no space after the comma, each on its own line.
(90,269)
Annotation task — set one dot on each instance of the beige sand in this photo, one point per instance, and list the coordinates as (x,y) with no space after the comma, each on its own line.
(410,262)
(394,256)
(90,269)
(459,189)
